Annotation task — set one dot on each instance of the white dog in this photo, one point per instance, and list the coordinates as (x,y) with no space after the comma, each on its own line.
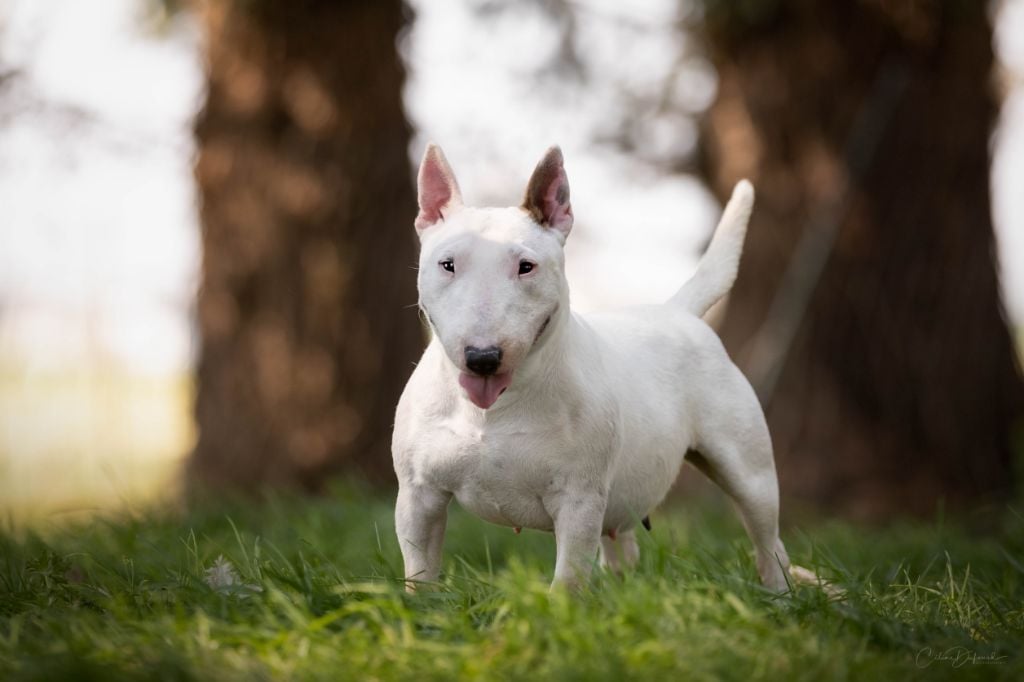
(534,416)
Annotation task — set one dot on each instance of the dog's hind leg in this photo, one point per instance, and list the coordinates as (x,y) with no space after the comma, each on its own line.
(737,455)
(755,493)
(620,554)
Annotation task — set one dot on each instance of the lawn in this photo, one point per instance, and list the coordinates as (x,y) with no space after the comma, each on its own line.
(309,589)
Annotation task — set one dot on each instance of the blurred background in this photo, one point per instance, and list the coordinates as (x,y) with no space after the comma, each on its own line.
(206,243)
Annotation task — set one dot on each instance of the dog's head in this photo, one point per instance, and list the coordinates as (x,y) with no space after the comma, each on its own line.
(491,279)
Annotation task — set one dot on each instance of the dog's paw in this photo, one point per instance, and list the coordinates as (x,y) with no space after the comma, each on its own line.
(805,576)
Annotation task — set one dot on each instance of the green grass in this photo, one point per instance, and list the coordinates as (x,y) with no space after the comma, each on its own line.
(318,596)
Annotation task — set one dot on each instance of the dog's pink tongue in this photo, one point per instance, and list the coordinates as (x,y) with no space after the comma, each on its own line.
(483,391)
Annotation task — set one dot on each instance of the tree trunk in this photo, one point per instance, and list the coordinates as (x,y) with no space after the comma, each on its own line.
(865,127)
(308,245)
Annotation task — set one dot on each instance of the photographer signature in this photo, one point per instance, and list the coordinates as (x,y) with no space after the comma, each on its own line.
(956,657)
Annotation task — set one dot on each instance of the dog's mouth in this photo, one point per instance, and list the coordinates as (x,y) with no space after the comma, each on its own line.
(484,391)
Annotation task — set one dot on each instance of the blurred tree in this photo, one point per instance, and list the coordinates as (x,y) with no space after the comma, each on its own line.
(867,311)
(308,246)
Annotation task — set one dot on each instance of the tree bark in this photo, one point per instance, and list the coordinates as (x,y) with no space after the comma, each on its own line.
(865,127)
(308,249)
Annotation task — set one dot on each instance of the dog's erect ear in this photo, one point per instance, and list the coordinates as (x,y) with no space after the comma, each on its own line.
(547,194)
(438,189)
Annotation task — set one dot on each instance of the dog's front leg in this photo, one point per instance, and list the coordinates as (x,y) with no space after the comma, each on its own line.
(578,520)
(420,517)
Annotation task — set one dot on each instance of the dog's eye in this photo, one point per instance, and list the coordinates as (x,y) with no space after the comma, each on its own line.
(526,267)
(448,265)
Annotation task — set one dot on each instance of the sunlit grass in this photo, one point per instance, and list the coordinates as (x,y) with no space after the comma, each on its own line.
(311,590)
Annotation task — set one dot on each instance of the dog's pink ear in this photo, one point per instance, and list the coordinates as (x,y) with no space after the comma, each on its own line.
(438,189)
(547,194)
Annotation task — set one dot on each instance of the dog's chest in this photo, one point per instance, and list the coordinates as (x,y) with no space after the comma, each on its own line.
(501,476)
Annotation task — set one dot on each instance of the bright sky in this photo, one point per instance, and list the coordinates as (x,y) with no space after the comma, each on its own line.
(98,234)
(98,237)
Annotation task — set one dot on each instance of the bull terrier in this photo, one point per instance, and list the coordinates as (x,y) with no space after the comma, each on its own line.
(534,416)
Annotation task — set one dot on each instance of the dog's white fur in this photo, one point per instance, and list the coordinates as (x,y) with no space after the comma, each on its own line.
(601,409)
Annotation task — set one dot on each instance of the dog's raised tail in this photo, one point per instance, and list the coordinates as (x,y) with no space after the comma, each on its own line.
(717,269)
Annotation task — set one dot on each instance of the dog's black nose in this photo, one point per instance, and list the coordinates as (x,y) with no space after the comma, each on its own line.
(483,361)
